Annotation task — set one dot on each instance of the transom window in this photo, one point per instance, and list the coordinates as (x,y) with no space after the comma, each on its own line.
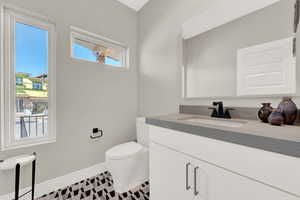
(28,108)
(91,47)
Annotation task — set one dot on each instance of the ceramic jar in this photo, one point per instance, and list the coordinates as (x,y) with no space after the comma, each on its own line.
(265,112)
(276,117)
(289,110)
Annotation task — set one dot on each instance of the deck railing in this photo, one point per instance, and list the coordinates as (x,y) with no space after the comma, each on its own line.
(32,125)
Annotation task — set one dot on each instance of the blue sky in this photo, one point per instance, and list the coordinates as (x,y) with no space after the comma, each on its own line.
(32,51)
(85,53)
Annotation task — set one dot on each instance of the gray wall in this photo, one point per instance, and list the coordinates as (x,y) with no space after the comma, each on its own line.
(161,58)
(88,95)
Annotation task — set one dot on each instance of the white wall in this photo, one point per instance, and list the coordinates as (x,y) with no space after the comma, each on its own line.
(88,95)
(161,57)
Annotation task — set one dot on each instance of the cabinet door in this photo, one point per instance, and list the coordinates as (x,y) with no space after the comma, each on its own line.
(214,183)
(168,174)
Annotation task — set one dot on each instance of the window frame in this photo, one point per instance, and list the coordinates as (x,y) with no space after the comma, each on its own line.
(9,16)
(77,33)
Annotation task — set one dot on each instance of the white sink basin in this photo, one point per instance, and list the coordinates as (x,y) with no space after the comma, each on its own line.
(216,122)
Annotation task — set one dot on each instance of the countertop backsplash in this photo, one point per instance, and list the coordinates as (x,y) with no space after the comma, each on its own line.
(238,112)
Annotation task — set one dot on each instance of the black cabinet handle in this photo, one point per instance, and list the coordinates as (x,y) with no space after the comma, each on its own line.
(187,176)
(196,192)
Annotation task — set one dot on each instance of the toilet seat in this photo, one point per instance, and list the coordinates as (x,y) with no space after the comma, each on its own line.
(124,151)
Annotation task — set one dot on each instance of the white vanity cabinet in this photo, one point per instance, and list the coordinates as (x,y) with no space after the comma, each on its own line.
(178,175)
(170,174)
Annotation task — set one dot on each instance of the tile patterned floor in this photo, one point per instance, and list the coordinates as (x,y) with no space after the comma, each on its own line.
(97,188)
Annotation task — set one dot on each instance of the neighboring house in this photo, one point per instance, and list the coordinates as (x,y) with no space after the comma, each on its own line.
(31,94)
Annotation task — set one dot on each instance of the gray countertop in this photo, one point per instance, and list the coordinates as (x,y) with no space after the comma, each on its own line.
(279,139)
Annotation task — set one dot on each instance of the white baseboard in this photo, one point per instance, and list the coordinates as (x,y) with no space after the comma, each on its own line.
(60,182)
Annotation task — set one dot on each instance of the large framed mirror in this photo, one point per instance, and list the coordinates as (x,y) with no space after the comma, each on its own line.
(241,48)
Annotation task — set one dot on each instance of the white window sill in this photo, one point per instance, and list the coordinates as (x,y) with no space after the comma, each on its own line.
(28,144)
(121,68)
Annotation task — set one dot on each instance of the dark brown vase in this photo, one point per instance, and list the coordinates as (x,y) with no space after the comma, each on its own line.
(289,110)
(265,112)
(276,118)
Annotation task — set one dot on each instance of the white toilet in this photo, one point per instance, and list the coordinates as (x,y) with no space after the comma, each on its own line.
(129,163)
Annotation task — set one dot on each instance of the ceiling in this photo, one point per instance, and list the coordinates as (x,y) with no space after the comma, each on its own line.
(134,4)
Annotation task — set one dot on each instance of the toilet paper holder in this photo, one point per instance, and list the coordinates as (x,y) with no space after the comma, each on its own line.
(97,133)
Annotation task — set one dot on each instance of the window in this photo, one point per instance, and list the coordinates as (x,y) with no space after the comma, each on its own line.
(93,48)
(37,86)
(19,80)
(28,85)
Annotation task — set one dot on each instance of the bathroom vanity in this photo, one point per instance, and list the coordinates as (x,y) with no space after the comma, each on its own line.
(204,158)
(199,157)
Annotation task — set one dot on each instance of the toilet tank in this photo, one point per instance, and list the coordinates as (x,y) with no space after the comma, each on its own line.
(142,132)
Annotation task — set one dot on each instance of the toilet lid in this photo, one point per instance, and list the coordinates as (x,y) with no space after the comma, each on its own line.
(124,150)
